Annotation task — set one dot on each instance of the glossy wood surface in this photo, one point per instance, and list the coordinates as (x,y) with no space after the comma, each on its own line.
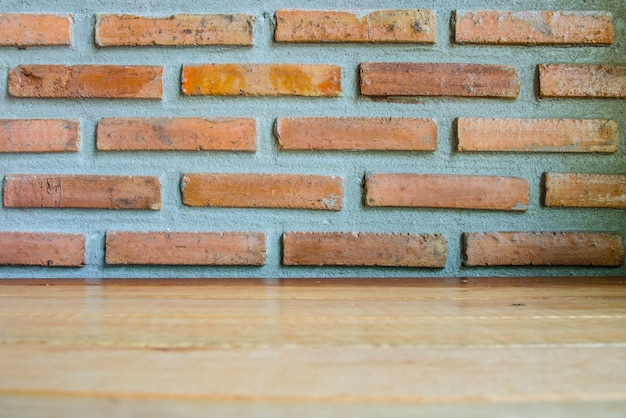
(366,347)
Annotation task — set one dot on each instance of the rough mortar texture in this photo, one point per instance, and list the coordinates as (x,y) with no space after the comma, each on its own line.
(352,166)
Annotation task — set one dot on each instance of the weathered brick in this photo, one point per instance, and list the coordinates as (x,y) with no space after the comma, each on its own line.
(39,135)
(585,190)
(534,27)
(186,248)
(377,134)
(42,249)
(543,249)
(177,134)
(261,80)
(447,191)
(177,30)
(390,26)
(24,30)
(582,80)
(82,191)
(86,81)
(385,79)
(291,191)
(364,249)
(537,135)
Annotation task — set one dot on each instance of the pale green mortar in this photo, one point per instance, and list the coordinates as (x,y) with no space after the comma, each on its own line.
(352,166)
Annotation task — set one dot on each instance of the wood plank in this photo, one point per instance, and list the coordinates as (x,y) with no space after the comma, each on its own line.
(458,347)
(334,374)
(36,406)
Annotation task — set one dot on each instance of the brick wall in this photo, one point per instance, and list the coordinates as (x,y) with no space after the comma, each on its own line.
(264,139)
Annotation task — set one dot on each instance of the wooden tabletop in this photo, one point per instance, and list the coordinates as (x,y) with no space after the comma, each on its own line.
(300,347)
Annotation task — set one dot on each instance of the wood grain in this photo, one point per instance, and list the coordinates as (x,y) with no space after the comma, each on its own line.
(355,347)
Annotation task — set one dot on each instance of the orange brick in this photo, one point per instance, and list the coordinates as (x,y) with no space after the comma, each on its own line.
(537,135)
(261,80)
(186,248)
(581,80)
(39,135)
(42,249)
(86,81)
(364,249)
(177,134)
(290,191)
(585,190)
(447,191)
(352,134)
(543,249)
(177,30)
(82,191)
(24,30)
(384,79)
(534,27)
(390,26)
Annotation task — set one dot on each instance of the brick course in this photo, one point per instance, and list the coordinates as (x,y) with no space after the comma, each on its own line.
(364,249)
(42,249)
(447,191)
(543,249)
(82,191)
(537,135)
(356,134)
(177,134)
(86,81)
(176,30)
(186,248)
(389,26)
(261,80)
(288,191)
(585,190)
(534,27)
(582,80)
(25,30)
(438,79)
(39,135)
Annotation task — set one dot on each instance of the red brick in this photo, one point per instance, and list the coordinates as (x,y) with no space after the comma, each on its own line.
(42,249)
(390,26)
(352,134)
(186,248)
(177,30)
(581,80)
(543,249)
(585,190)
(537,135)
(384,79)
(86,81)
(290,191)
(82,191)
(24,30)
(364,249)
(261,80)
(177,134)
(39,135)
(447,191)
(534,27)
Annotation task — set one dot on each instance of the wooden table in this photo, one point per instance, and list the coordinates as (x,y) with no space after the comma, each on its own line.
(366,347)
